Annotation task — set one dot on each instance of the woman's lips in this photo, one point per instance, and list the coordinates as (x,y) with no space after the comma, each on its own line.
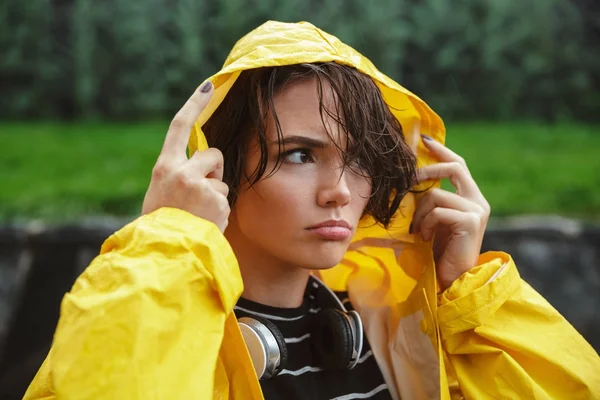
(332,232)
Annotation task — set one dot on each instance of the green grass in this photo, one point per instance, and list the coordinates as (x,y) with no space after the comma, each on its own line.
(533,169)
(58,171)
(64,171)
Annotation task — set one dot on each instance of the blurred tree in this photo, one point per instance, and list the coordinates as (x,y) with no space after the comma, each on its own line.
(470,59)
(29,60)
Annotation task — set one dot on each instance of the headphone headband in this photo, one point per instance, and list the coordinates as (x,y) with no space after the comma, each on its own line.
(330,300)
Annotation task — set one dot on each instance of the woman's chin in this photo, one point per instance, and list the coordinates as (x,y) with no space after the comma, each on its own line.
(324,256)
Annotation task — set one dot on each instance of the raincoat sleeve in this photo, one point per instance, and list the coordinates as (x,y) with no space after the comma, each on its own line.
(146,319)
(500,336)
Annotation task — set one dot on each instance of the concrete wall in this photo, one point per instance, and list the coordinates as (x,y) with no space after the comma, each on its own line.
(38,264)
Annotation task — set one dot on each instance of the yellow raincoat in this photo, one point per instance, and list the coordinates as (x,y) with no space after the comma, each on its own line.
(151,317)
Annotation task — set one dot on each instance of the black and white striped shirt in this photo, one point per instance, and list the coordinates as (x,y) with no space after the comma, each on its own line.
(301,379)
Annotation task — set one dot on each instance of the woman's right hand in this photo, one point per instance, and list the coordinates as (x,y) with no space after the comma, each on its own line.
(194,185)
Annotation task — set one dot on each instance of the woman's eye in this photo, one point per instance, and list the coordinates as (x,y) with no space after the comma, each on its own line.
(300,156)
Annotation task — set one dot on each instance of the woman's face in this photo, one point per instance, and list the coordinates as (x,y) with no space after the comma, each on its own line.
(306,213)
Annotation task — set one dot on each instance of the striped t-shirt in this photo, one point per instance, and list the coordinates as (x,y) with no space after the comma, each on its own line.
(301,378)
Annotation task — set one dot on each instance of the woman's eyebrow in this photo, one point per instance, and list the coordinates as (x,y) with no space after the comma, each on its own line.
(303,141)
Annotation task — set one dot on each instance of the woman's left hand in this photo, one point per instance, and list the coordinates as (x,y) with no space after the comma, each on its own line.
(455,221)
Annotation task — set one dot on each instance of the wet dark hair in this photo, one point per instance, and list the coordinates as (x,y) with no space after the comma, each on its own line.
(374,138)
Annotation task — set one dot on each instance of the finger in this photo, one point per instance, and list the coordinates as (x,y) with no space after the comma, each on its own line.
(219,186)
(454,219)
(178,134)
(456,172)
(441,198)
(442,152)
(225,211)
(206,164)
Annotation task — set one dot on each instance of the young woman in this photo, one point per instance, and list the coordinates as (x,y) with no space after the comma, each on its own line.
(306,242)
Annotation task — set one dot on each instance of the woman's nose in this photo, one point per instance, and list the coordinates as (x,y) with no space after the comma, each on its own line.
(334,190)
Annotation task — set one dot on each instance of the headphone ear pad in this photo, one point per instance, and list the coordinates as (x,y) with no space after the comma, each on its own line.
(283,353)
(332,339)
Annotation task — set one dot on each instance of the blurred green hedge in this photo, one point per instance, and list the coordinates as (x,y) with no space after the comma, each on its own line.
(470,59)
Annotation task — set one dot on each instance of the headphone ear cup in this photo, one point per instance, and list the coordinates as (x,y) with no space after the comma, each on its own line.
(332,339)
(283,353)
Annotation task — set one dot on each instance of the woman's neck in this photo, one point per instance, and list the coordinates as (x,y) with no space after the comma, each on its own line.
(265,286)
(267,280)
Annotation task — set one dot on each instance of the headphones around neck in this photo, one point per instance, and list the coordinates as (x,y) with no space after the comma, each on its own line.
(336,336)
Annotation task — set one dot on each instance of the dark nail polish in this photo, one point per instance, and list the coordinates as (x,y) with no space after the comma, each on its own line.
(410,228)
(206,87)
(425,137)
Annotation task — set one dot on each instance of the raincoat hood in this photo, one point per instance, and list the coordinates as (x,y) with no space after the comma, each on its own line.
(276,44)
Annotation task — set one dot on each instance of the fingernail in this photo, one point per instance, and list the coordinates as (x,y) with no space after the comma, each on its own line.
(425,137)
(206,87)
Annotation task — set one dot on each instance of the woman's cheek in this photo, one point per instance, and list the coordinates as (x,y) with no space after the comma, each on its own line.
(275,188)
(292,189)
(361,189)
